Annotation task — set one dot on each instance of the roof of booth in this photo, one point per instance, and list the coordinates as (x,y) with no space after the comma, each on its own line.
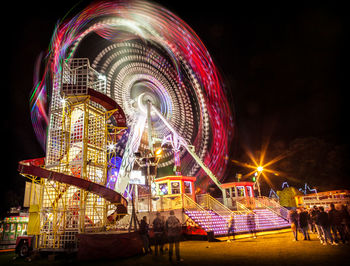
(176,178)
(235,184)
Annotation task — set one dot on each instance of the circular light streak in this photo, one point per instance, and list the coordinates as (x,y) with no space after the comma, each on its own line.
(142,49)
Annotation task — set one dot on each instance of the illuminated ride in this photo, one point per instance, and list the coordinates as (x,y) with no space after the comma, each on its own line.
(151,83)
(69,193)
(146,63)
(147,54)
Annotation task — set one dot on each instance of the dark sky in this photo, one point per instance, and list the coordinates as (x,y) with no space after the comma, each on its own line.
(284,68)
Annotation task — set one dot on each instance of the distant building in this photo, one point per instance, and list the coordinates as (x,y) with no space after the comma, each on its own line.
(337,197)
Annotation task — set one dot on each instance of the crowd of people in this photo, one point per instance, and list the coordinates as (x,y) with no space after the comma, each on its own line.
(164,231)
(331,226)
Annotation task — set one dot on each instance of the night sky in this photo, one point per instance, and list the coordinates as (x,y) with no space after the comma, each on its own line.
(283,66)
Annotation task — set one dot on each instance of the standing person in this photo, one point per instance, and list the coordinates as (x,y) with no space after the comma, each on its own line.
(144,228)
(345,217)
(315,214)
(310,221)
(303,223)
(335,220)
(158,229)
(173,228)
(323,221)
(293,219)
(231,229)
(251,223)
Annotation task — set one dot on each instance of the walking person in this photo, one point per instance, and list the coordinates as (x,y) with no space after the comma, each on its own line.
(231,229)
(144,228)
(251,224)
(303,223)
(293,219)
(158,229)
(173,228)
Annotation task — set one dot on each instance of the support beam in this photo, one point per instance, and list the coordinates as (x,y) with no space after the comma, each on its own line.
(189,148)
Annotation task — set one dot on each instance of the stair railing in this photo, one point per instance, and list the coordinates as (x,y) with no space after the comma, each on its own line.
(243,207)
(190,205)
(274,206)
(219,208)
(209,202)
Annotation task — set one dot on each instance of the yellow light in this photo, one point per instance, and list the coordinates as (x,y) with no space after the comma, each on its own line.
(159,152)
(260,168)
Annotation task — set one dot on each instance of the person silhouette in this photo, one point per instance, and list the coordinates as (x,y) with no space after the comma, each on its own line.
(231,229)
(251,223)
(173,228)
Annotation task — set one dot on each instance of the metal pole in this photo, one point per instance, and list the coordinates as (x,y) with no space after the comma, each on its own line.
(149,124)
(258,183)
(149,185)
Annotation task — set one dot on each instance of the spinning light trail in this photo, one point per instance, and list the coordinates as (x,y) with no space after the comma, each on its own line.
(146,49)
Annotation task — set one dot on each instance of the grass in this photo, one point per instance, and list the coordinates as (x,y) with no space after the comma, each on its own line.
(272,249)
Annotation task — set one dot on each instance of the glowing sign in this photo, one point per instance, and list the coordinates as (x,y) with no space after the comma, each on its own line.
(137,178)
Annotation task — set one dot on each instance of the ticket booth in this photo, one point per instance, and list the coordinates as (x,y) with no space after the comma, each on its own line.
(234,191)
(169,190)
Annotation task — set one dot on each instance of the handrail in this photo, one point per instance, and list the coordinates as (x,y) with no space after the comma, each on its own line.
(192,203)
(283,212)
(218,208)
(256,216)
(188,202)
(209,202)
(246,210)
(266,207)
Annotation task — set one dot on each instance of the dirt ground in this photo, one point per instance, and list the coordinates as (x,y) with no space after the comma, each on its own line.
(272,249)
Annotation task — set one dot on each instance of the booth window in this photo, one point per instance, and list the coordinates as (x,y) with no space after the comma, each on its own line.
(175,187)
(233,193)
(188,187)
(240,191)
(163,189)
(250,192)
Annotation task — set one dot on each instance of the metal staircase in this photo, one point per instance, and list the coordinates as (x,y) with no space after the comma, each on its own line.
(213,216)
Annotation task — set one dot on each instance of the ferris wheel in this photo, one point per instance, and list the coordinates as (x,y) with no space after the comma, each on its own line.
(160,73)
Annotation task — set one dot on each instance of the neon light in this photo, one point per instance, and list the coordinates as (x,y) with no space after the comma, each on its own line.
(285,184)
(168,59)
(272,192)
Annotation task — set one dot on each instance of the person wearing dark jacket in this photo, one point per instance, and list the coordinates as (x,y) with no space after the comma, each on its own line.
(345,217)
(293,219)
(314,217)
(310,221)
(158,229)
(144,228)
(335,220)
(323,221)
(173,228)
(303,223)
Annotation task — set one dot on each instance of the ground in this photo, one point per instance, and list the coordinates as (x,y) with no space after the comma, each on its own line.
(271,249)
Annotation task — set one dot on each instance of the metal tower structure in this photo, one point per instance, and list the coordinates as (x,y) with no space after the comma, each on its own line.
(83,129)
